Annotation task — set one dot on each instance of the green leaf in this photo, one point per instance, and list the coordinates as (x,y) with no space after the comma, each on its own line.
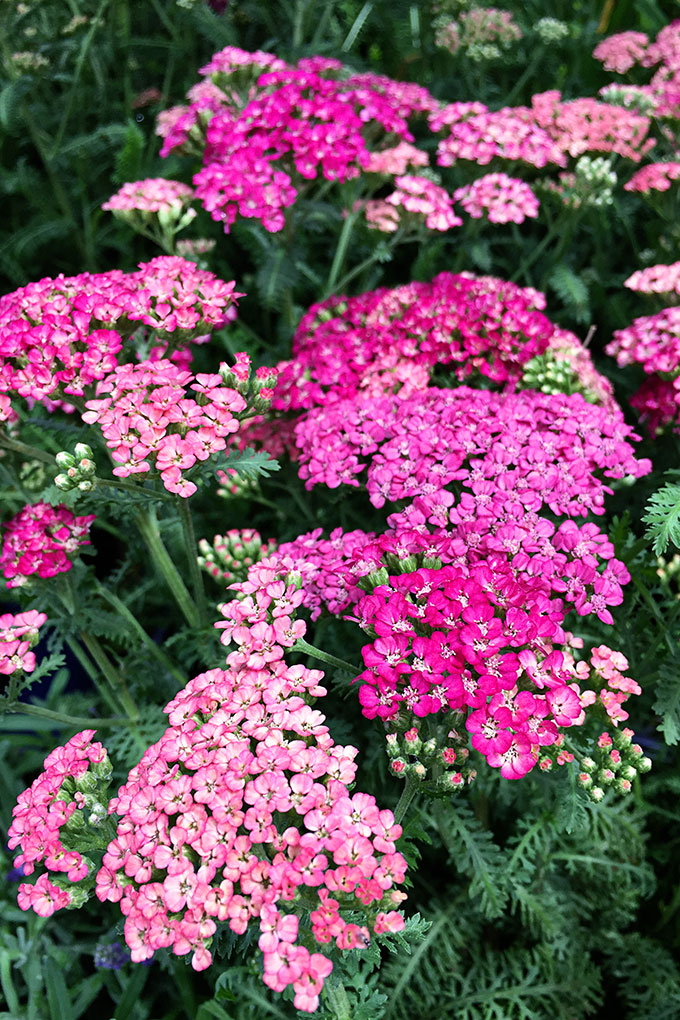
(128,162)
(667,704)
(663,517)
(61,1007)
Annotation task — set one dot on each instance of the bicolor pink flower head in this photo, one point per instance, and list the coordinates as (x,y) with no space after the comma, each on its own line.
(41,539)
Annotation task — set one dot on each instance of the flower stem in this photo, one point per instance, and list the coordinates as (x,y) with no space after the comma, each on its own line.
(113,678)
(146,640)
(407,795)
(340,252)
(316,653)
(28,451)
(65,720)
(148,527)
(192,552)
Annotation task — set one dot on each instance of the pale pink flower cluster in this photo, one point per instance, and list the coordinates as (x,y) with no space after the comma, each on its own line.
(480,135)
(18,632)
(586,125)
(243,803)
(500,198)
(653,177)
(622,51)
(476,27)
(609,666)
(40,815)
(656,280)
(146,416)
(59,336)
(155,194)
(422,197)
(41,539)
(231,60)
(397,160)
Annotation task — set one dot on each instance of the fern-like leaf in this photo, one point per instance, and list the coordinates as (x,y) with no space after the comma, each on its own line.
(663,517)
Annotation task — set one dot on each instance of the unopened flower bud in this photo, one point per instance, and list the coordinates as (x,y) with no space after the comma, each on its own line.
(82,450)
(398,766)
(65,460)
(64,483)
(596,793)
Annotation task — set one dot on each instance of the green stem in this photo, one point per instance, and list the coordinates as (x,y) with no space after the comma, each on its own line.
(92,671)
(340,252)
(192,552)
(8,985)
(407,795)
(524,78)
(316,653)
(538,251)
(148,527)
(67,720)
(82,55)
(118,483)
(336,997)
(146,640)
(28,451)
(113,678)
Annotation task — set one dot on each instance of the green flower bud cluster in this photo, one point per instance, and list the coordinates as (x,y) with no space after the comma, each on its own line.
(630,97)
(393,565)
(551,30)
(235,485)
(230,555)
(549,374)
(594,180)
(439,762)
(617,763)
(78,469)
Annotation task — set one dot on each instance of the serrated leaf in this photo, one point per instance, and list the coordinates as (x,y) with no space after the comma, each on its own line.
(667,705)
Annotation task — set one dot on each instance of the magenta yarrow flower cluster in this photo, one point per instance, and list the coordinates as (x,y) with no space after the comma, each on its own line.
(41,539)
(147,417)
(499,198)
(58,337)
(390,340)
(417,197)
(264,135)
(548,449)
(44,817)
(18,633)
(653,341)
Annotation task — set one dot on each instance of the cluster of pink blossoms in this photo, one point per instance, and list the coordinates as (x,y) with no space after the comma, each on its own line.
(418,196)
(390,340)
(397,160)
(41,817)
(154,194)
(58,337)
(41,539)
(241,812)
(609,666)
(145,414)
(261,144)
(18,632)
(622,51)
(653,341)
(653,177)
(656,280)
(478,134)
(500,198)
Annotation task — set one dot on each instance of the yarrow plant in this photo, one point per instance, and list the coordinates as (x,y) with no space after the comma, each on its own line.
(443,535)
